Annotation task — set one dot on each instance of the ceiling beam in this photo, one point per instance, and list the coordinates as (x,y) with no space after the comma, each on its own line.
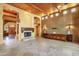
(26,7)
(36,7)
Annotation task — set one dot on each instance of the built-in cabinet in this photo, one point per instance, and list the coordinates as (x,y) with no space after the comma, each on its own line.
(61,37)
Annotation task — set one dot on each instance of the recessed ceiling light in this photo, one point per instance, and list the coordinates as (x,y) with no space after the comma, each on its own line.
(65,12)
(51,15)
(46,17)
(42,18)
(57,14)
(73,10)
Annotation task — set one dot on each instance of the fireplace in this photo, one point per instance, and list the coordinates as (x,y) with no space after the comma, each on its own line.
(27,34)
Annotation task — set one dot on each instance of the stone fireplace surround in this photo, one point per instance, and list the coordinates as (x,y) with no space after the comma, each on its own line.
(28,33)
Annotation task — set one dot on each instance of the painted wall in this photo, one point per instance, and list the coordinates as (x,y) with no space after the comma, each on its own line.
(1,24)
(26,18)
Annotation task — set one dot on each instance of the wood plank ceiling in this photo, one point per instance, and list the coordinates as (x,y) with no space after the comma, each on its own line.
(41,8)
(10,15)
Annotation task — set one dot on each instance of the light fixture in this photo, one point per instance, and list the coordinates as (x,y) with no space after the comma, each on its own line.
(51,15)
(59,6)
(46,17)
(73,10)
(44,28)
(65,12)
(57,14)
(54,32)
(69,26)
(42,18)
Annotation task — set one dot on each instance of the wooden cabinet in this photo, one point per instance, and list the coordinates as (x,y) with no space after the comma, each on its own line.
(69,38)
(55,36)
(61,37)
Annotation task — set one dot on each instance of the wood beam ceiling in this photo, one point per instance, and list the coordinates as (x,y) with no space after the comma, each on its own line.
(39,8)
(30,8)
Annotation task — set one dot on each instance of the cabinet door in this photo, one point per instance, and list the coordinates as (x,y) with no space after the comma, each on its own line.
(69,38)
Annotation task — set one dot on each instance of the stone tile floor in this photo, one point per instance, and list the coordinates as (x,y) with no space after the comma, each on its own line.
(38,47)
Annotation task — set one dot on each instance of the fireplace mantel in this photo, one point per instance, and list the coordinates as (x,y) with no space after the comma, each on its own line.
(27,29)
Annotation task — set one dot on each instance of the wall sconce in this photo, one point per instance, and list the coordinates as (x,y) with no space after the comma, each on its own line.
(69,28)
(45,29)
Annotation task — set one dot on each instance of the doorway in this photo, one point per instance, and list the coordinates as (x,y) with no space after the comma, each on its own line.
(37,26)
(10,24)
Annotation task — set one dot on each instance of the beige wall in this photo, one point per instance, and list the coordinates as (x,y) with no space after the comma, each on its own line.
(26,18)
(1,24)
